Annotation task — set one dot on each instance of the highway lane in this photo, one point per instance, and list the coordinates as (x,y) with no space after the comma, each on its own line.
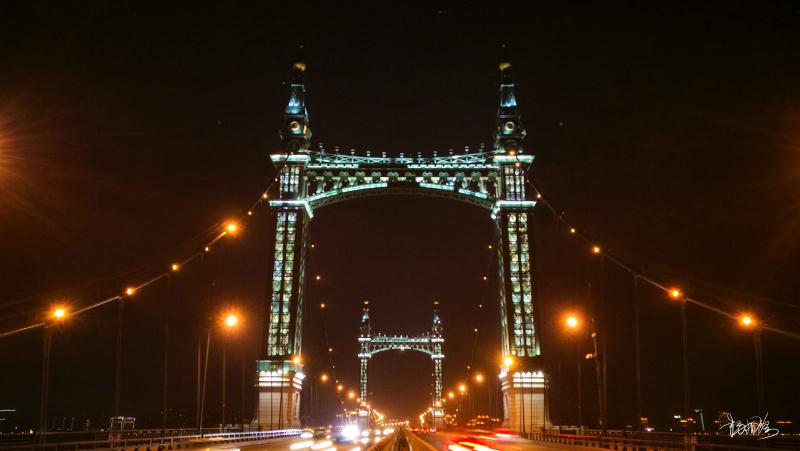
(299,444)
(465,441)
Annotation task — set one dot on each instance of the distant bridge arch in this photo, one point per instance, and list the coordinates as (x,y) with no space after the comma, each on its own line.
(429,343)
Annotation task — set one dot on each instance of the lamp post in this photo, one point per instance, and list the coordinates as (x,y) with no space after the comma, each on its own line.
(596,357)
(677,294)
(573,323)
(748,321)
(637,354)
(129,292)
(55,316)
(479,379)
(231,322)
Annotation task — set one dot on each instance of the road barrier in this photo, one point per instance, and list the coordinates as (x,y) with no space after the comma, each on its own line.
(149,442)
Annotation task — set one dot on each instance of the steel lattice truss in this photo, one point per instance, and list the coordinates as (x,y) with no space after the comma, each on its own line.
(473,178)
(429,343)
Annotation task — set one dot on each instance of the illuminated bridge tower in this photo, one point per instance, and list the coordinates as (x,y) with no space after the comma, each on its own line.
(429,343)
(493,179)
(280,372)
(521,373)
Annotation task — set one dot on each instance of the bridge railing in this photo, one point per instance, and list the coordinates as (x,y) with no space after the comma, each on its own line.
(153,442)
(663,441)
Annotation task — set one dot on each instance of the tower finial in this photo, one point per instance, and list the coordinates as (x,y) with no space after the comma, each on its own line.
(436,328)
(296,131)
(509,131)
(365,326)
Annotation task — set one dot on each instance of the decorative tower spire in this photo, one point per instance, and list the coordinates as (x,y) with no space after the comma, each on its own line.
(365,326)
(296,131)
(509,132)
(436,329)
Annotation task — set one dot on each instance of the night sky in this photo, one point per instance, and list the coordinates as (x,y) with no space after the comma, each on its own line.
(670,133)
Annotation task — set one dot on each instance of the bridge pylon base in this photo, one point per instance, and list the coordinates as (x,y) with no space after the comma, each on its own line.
(279,385)
(524,407)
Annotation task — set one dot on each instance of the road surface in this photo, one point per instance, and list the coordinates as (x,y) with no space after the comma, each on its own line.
(464,441)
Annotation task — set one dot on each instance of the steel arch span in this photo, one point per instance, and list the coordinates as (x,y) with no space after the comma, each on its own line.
(494,179)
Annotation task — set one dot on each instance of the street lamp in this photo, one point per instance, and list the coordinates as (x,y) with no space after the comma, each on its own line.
(56,316)
(573,323)
(748,321)
(677,294)
(479,378)
(129,292)
(231,322)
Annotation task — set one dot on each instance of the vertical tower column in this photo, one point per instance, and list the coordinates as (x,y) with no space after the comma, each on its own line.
(364,354)
(436,341)
(522,373)
(280,371)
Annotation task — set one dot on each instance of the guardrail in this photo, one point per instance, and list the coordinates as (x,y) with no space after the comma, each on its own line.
(634,441)
(118,441)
